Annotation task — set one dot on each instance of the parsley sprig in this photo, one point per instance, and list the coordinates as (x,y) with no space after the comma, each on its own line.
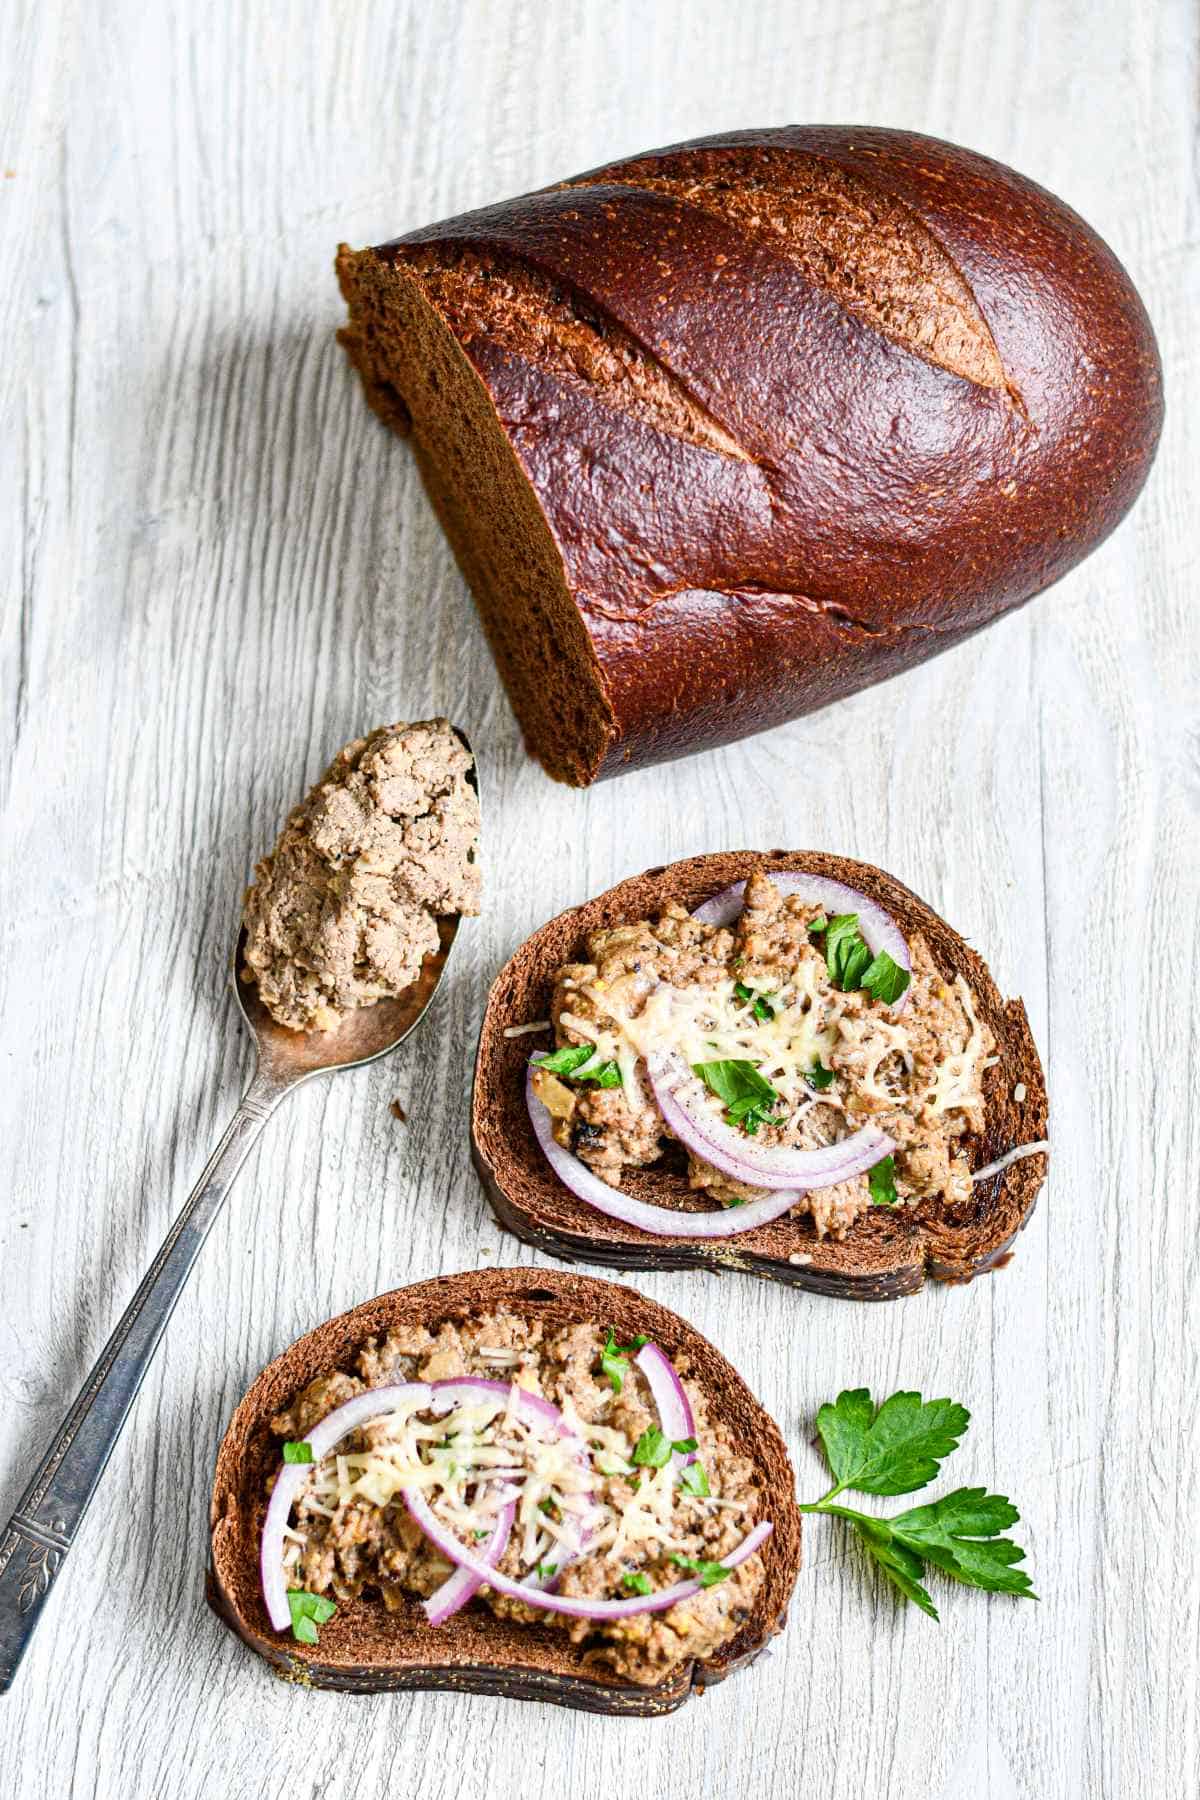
(897,1448)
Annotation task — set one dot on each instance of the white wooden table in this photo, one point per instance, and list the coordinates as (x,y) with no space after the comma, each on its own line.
(216,567)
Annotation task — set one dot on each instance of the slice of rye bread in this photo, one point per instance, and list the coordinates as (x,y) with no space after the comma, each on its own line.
(889,1250)
(367,1649)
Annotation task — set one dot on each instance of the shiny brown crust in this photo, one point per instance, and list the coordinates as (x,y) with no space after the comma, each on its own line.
(365,1648)
(726,431)
(887,1252)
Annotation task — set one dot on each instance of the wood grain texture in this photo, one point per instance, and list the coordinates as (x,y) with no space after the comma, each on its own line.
(215,567)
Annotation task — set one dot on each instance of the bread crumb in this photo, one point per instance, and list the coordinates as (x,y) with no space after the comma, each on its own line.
(397,1111)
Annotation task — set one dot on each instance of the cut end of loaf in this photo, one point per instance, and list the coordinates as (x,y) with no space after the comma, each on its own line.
(421,383)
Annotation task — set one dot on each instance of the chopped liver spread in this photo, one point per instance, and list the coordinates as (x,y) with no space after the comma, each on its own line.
(627,1519)
(759,993)
(344,909)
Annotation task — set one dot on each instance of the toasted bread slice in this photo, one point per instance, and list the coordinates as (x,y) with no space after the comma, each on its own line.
(888,1251)
(366,1648)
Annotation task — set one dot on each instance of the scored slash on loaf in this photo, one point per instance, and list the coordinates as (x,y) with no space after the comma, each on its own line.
(726,431)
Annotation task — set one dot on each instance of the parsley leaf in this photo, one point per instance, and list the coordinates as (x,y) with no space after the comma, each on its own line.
(308,1611)
(297,1453)
(614,1358)
(636,1582)
(571,1062)
(819,1076)
(749,1098)
(763,1010)
(652,1450)
(817,926)
(893,1449)
(709,1572)
(900,1565)
(959,1533)
(885,980)
(694,1480)
(882,1182)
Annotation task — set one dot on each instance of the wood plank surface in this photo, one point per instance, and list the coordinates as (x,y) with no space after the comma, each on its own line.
(215,567)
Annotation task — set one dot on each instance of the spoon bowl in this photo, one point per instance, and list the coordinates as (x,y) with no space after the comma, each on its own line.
(286,1057)
(368,1032)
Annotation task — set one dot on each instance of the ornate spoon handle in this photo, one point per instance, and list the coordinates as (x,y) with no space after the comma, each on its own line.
(36,1539)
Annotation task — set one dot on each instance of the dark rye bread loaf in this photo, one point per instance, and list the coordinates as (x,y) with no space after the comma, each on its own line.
(888,1251)
(725,431)
(367,1649)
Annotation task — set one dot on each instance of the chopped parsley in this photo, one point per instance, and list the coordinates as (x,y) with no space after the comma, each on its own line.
(750,1100)
(851,965)
(709,1572)
(819,1076)
(547,1570)
(297,1452)
(764,1012)
(846,954)
(635,1582)
(614,1358)
(882,1182)
(653,1449)
(570,1062)
(308,1611)
(885,979)
(693,1480)
(895,1449)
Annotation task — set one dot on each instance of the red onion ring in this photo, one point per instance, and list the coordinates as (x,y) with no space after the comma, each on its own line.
(291,1478)
(683,1102)
(879,930)
(458,1588)
(599,1610)
(667,1392)
(662,1220)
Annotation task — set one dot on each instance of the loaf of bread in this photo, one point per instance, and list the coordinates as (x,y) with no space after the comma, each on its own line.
(723,432)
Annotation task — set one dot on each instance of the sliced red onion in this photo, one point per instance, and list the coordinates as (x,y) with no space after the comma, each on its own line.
(662,1220)
(600,1610)
(879,930)
(667,1391)
(458,1588)
(684,1103)
(291,1478)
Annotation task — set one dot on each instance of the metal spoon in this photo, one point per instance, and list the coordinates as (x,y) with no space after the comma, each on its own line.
(35,1541)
